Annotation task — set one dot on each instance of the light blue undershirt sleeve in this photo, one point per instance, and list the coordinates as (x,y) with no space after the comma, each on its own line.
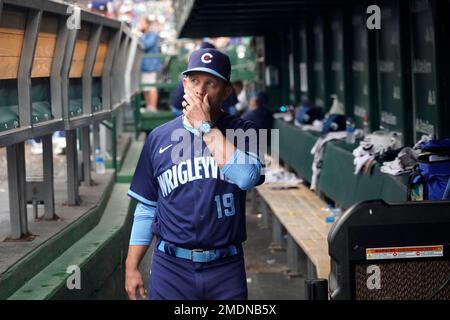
(141,232)
(244,169)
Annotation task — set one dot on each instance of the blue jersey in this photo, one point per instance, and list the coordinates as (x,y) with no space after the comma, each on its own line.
(196,205)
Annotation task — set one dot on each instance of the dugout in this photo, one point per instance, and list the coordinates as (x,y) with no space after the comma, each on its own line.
(394,78)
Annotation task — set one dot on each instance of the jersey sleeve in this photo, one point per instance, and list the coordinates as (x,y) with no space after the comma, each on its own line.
(144,187)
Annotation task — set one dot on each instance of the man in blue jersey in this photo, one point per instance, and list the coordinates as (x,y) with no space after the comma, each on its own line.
(190,183)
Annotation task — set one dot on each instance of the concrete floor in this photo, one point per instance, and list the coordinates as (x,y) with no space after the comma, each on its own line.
(266,270)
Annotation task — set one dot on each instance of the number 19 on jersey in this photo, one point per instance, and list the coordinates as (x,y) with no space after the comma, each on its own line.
(225,205)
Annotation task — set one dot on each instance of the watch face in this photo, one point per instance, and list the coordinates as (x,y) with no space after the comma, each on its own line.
(206,127)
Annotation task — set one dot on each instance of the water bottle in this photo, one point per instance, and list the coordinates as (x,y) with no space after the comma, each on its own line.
(334,214)
(337,212)
(99,162)
(329,210)
(350,128)
(330,219)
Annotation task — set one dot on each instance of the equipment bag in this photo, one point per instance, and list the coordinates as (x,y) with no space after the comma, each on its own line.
(429,178)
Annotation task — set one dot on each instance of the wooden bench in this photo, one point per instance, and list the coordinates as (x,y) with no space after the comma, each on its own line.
(300,213)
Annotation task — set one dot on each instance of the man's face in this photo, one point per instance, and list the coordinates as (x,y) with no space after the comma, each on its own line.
(201,83)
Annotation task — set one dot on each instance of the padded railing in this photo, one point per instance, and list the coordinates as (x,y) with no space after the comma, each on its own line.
(54,75)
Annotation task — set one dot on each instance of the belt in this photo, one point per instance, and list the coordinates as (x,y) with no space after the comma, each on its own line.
(197,255)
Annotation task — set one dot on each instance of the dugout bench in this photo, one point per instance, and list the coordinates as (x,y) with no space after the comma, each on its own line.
(298,214)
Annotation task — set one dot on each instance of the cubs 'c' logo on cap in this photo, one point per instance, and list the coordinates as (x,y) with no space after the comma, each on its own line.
(206,57)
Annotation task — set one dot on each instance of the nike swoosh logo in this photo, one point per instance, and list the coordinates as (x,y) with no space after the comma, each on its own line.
(161,150)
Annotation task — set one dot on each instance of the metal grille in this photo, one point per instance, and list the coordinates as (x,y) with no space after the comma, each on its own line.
(415,280)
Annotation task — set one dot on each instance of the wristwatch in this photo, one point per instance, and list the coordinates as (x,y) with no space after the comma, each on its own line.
(206,126)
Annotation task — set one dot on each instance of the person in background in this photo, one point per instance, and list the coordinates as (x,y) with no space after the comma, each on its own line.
(242,104)
(230,104)
(258,112)
(222,42)
(151,64)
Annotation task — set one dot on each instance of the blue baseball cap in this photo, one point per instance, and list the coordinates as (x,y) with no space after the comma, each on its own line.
(211,61)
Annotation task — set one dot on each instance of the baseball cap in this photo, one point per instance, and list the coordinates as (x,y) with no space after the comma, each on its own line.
(211,61)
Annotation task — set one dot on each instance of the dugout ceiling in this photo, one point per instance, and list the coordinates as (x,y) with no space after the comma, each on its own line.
(207,18)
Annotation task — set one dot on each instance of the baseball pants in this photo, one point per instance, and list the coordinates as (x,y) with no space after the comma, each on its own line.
(174,278)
